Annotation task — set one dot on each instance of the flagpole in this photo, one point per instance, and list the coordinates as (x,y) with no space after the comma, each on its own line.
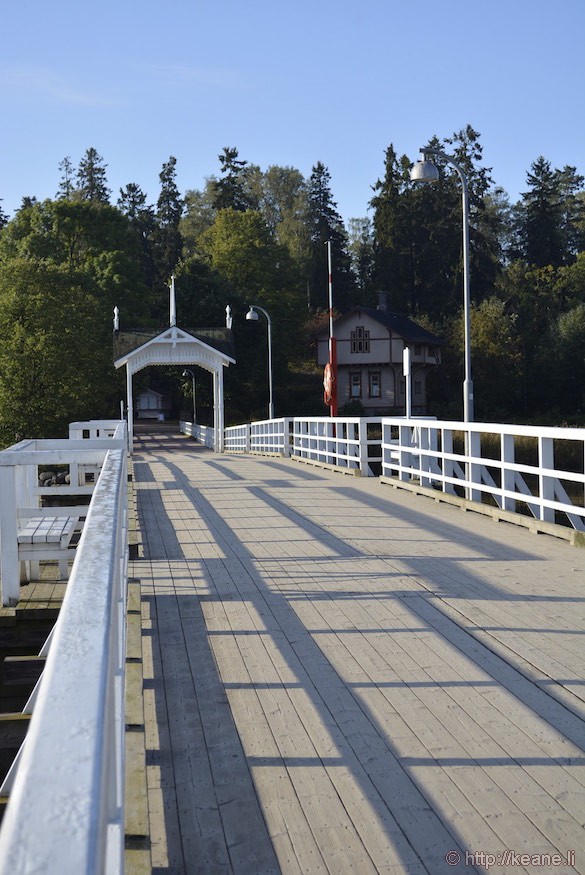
(332,339)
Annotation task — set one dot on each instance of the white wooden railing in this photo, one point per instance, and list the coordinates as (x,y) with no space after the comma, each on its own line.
(20,487)
(205,434)
(455,457)
(65,811)
(267,436)
(94,428)
(237,439)
(504,465)
(352,443)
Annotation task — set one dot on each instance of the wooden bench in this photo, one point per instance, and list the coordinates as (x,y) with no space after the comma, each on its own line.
(46,534)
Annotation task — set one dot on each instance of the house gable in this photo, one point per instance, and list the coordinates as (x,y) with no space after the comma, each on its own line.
(366,336)
(370,345)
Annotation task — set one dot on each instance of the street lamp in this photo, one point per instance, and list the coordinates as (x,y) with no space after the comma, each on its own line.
(252,316)
(186,372)
(426,171)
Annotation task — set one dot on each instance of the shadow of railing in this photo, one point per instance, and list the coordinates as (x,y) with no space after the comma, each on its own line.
(346,731)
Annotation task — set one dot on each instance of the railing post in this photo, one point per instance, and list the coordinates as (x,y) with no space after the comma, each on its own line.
(546,485)
(287,436)
(473,451)
(508,477)
(448,465)
(404,451)
(8,528)
(426,461)
(363,447)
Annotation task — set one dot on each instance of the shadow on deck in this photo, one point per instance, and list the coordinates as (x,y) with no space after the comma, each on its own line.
(342,679)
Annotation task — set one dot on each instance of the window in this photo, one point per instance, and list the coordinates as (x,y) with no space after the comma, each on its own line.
(374,384)
(360,339)
(355,385)
(418,349)
(417,387)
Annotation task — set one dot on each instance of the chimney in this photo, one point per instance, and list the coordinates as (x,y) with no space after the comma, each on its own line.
(383,301)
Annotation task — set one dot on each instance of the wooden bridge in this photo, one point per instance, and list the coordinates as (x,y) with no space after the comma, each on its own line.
(331,675)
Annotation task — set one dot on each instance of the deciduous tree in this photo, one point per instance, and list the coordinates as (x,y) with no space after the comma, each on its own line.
(54,365)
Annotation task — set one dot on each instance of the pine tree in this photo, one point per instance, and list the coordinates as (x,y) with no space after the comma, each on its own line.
(67,184)
(361,248)
(393,269)
(418,231)
(169,206)
(539,225)
(326,224)
(91,178)
(132,200)
(550,216)
(230,190)
(132,203)
(167,238)
(572,212)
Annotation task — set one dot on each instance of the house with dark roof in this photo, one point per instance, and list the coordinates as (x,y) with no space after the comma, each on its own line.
(370,344)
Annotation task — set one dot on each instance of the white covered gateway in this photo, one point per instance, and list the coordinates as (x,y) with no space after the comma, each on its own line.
(207,348)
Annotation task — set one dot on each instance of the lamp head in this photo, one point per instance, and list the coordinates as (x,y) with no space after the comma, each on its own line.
(424,170)
(252,315)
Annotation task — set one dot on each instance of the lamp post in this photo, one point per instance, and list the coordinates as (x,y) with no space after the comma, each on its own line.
(426,171)
(252,316)
(186,372)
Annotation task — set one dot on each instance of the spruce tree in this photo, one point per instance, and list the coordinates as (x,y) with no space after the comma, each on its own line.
(361,249)
(230,190)
(572,212)
(326,224)
(132,203)
(393,270)
(91,178)
(167,238)
(132,200)
(418,231)
(67,183)
(540,217)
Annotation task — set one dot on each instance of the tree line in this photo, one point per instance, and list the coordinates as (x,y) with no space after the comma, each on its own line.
(253,236)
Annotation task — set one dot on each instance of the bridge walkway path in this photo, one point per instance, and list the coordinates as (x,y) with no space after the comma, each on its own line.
(343,677)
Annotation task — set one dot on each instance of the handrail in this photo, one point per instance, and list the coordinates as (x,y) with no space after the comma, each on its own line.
(420,449)
(20,487)
(94,428)
(266,436)
(425,452)
(205,434)
(351,443)
(65,812)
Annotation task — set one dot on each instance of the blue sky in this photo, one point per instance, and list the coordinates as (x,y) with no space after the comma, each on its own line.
(328,80)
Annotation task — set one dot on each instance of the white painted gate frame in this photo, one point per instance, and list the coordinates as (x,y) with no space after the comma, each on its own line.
(174,346)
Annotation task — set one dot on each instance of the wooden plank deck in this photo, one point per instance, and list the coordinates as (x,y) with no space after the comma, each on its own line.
(340,677)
